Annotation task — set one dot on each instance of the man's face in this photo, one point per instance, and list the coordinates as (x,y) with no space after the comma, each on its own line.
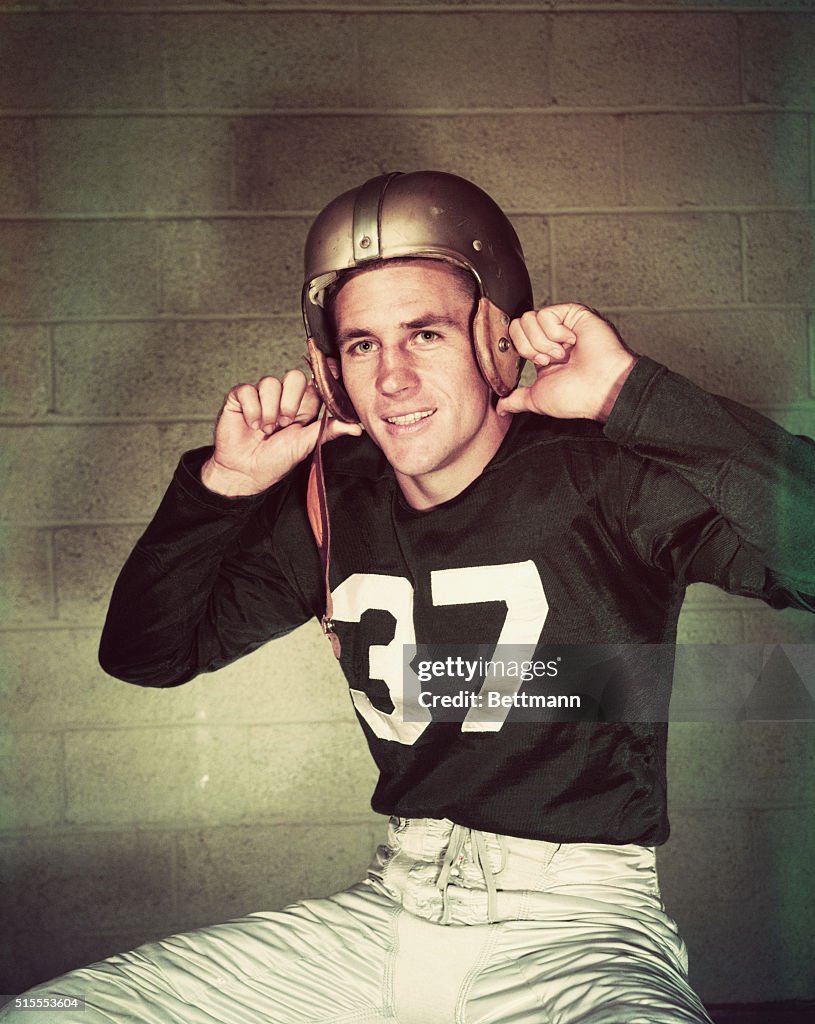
(407,361)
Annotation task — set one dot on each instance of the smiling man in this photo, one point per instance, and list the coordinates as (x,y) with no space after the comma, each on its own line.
(517,882)
(405,342)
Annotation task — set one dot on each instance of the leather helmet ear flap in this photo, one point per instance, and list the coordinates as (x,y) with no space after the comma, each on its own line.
(329,386)
(499,361)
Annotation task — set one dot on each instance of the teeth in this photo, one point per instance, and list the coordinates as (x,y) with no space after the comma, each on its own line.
(411,417)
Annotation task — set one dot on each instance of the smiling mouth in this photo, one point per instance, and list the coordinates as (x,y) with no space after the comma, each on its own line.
(409,417)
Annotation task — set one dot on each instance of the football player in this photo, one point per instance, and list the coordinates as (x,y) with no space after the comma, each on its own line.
(447,505)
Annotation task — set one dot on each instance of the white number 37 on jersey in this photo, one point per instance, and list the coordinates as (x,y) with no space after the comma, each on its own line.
(517,584)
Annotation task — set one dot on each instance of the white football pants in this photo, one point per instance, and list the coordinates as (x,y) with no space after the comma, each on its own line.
(452,926)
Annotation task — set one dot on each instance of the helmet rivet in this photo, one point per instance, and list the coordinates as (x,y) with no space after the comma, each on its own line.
(364,242)
(503,344)
(477,245)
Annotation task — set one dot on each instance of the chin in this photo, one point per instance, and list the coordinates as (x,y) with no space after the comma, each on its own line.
(412,465)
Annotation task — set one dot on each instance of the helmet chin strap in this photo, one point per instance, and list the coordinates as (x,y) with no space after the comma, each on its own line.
(317,508)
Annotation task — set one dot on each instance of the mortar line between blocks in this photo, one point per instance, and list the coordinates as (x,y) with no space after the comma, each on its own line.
(743,257)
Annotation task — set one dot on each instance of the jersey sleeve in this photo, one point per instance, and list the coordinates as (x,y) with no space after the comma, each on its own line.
(722,494)
(211,579)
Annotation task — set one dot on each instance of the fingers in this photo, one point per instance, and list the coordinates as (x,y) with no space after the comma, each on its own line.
(541,336)
(269,391)
(243,400)
(272,404)
(287,401)
(298,401)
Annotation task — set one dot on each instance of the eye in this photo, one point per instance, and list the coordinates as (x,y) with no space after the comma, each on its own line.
(361,348)
(427,336)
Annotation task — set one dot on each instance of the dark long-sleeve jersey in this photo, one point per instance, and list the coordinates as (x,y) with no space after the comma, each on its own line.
(573,534)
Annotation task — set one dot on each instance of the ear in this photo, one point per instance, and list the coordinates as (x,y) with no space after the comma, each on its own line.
(325,371)
(499,362)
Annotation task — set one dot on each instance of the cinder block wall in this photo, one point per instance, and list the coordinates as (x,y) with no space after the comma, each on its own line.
(159,165)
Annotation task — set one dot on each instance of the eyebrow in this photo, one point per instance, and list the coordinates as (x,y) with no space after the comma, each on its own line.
(416,324)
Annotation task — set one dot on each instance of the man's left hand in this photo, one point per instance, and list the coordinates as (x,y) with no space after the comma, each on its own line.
(580,360)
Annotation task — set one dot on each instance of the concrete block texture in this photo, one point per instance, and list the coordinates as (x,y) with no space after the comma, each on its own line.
(177,438)
(708,859)
(638,58)
(779,257)
(228,872)
(209,773)
(158,775)
(704,760)
(536,238)
(786,878)
(31,780)
(466,52)
(734,353)
(763,625)
(124,164)
(293,679)
(53,682)
(87,561)
(709,159)
(82,472)
(721,626)
(316,769)
(25,370)
(741,764)
(781,759)
(142,369)
(744,953)
(78,269)
(92,881)
(26,571)
(168,367)
(768,938)
(639,260)
(232,266)
(777,59)
(74,61)
(527,162)
(259,60)
(18,166)
(265,347)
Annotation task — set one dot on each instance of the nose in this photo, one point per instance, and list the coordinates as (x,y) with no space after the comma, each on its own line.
(396,372)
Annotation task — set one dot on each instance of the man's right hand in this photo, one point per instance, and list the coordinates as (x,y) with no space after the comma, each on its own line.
(263,431)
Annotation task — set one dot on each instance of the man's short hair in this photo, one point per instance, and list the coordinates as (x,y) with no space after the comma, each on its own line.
(465,279)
